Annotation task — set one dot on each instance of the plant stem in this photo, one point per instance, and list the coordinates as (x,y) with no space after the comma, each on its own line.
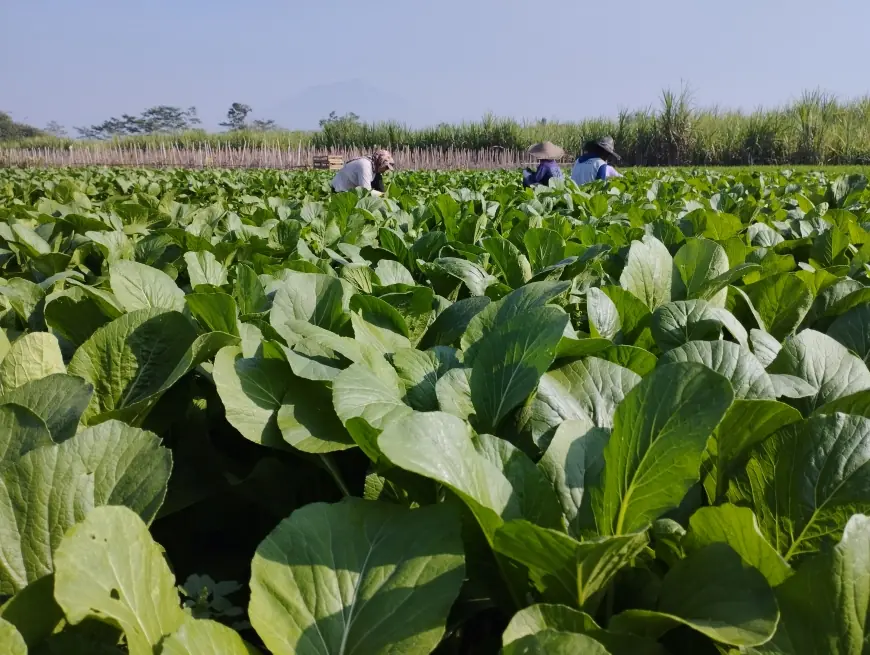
(335,473)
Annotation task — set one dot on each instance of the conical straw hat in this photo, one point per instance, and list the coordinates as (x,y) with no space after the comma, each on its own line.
(546,150)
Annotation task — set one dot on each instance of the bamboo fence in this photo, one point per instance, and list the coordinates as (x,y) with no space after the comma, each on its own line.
(204,155)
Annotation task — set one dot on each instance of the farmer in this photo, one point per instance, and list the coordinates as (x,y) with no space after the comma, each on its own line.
(546,153)
(364,172)
(594,163)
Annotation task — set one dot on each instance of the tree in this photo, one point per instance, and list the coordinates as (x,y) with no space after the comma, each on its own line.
(334,120)
(162,119)
(261,125)
(236,117)
(10,130)
(55,129)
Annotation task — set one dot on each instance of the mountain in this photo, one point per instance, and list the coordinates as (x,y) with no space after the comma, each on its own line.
(305,109)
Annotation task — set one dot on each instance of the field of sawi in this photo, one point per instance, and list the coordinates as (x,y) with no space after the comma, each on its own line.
(240,414)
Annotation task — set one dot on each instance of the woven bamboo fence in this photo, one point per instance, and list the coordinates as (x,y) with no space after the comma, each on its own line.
(205,155)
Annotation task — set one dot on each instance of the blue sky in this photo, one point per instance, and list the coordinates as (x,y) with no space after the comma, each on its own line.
(80,61)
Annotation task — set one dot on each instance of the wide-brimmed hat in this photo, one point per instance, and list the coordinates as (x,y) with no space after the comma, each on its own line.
(606,144)
(546,150)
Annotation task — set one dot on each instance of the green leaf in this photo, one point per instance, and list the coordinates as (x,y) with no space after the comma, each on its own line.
(21,431)
(634,315)
(31,357)
(604,321)
(806,480)
(217,312)
(551,642)
(11,641)
(654,453)
(475,278)
(131,361)
(139,286)
(563,569)
(318,299)
(699,592)
(358,576)
(825,365)
(510,360)
(203,637)
(742,369)
(545,247)
(852,329)
(248,291)
(541,617)
(782,301)
(764,346)
(825,604)
(453,392)
(204,268)
(49,489)
(420,371)
(378,324)
(33,611)
(452,323)
(648,274)
(511,262)
(634,359)
(737,527)
(699,262)
(108,567)
(252,390)
(439,446)
(74,315)
(307,420)
(371,390)
(677,323)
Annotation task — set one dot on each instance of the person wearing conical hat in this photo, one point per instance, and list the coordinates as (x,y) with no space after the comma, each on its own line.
(546,153)
(364,172)
(595,161)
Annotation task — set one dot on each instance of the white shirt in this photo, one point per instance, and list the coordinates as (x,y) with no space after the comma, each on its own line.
(354,174)
(587,171)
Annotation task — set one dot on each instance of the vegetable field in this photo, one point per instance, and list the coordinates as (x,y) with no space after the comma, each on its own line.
(243,415)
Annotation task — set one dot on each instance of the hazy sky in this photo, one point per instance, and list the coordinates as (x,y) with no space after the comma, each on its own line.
(80,61)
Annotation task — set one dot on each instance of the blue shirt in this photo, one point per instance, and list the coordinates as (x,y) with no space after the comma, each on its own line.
(547,169)
(590,167)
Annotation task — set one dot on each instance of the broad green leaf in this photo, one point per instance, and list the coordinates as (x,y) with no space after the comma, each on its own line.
(764,346)
(588,389)
(131,361)
(217,312)
(317,299)
(371,390)
(359,576)
(825,365)
(649,272)
(825,604)
(541,617)
(33,611)
(204,268)
(390,272)
(552,642)
(452,323)
(74,315)
(654,453)
(782,301)
(307,420)
(475,278)
(516,303)
(378,324)
(563,569)
(742,369)
(51,488)
(21,431)
(635,359)
(513,264)
(204,637)
(699,592)
(852,329)
(252,391)
(510,360)
(453,391)
(139,286)
(11,641)
(737,527)
(439,446)
(699,261)
(574,458)
(746,424)
(420,371)
(604,318)
(676,323)
(31,357)
(545,247)
(248,291)
(806,480)
(634,315)
(109,567)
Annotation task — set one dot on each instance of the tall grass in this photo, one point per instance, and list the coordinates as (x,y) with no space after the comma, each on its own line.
(817,128)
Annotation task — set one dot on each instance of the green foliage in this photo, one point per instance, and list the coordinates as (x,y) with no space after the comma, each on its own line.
(461,417)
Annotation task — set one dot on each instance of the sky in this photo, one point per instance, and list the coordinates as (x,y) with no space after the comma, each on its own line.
(79,62)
